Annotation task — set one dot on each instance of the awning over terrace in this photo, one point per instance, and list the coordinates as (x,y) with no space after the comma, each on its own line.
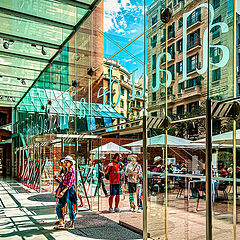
(37,100)
(33,33)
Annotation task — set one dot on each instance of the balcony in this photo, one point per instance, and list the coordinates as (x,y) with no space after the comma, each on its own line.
(171,98)
(193,22)
(179,7)
(191,92)
(193,44)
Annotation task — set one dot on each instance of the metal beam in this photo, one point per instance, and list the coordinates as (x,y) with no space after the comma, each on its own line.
(75,4)
(11,76)
(17,55)
(93,6)
(28,40)
(35,18)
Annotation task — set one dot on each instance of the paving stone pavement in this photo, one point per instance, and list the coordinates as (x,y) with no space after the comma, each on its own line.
(25,215)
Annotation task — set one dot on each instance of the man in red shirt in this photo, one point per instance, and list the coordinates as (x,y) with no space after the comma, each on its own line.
(114,178)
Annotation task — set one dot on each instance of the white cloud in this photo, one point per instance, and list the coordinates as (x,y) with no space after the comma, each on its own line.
(117,14)
(133,31)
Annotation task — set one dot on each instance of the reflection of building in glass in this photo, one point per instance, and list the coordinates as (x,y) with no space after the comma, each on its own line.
(188,95)
(131,109)
(238,54)
(186,98)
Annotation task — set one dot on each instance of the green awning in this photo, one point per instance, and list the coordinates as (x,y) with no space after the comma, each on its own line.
(35,32)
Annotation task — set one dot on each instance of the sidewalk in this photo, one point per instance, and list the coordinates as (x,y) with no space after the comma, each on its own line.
(23,216)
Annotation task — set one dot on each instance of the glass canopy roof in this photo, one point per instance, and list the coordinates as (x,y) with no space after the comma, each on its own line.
(33,32)
(62,104)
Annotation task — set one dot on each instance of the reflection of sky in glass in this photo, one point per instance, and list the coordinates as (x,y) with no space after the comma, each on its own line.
(123,22)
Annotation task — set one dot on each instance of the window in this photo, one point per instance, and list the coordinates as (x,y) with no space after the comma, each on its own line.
(180,22)
(171,31)
(192,63)
(192,130)
(179,45)
(154,97)
(3,118)
(122,77)
(192,106)
(109,71)
(191,83)
(154,41)
(179,68)
(193,39)
(180,110)
(154,80)
(174,2)
(154,62)
(154,20)
(194,17)
(122,103)
(122,91)
(216,75)
(215,54)
(180,87)
(170,112)
(216,30)
(154,114)
(171,50)
(138,104)
(163,39)
(170,90)
(216,3)
(172,70)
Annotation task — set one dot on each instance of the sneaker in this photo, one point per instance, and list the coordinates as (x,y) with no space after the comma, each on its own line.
(132,209)
(116,209)
(110,210)
(139,210)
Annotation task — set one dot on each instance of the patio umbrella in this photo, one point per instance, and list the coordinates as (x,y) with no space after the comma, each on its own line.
(111,148)
(224,138)
(159,141)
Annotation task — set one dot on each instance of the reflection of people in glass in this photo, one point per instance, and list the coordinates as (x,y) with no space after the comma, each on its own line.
(101,175)
(134,173)
(113,169)
(224,172)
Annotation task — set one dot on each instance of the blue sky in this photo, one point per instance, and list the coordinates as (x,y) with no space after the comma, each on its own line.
(123,22)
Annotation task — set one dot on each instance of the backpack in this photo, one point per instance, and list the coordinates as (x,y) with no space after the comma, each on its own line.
(108,174)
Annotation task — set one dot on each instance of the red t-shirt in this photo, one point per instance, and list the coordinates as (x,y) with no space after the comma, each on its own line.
(114,176)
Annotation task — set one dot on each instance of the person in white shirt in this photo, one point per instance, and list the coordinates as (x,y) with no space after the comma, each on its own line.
(134,173)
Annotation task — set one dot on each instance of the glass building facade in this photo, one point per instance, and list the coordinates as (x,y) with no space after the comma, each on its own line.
(119,79)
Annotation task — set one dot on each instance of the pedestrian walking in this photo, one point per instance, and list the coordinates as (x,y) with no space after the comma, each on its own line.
(67,194)
(101,175)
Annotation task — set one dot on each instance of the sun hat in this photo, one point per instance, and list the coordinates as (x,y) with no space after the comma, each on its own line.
(68,158)
(102,158)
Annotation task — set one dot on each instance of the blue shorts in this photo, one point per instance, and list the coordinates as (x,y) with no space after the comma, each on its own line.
(114,189)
